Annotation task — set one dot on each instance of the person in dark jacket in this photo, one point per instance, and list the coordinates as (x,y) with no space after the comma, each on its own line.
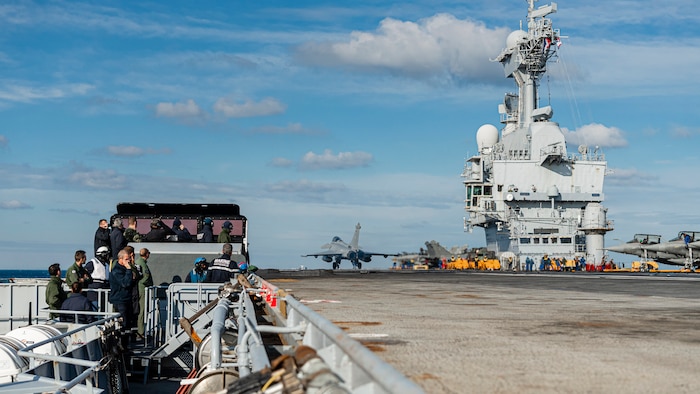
(222,269)
(102,235)
(207,234)
(199,273)
(76,301)
(183,234)
(55,295)
(116,237)
(121,282)
(159,232)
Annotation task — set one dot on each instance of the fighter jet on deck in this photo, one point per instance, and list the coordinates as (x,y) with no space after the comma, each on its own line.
(432,254)
(338,250)
(678,251)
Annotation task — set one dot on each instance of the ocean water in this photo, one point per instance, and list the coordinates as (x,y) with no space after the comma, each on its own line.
(6,275)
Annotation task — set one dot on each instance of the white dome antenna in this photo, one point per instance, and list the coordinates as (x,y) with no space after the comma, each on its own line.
(486,137)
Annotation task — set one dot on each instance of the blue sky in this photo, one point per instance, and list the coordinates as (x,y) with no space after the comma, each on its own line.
(313,116)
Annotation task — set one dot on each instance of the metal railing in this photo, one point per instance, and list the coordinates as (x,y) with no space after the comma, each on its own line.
(360,369)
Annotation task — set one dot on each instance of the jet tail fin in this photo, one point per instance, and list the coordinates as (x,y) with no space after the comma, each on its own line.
(437,250)
(356,237)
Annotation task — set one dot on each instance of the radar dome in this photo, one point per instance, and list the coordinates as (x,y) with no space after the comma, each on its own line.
(486,137)
(515,38)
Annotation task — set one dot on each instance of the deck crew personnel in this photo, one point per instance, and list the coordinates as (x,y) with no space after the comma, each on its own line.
(145,281)
(121,281)
(98,268)
(131,234)
(207,234)
(546,263)
(76,301)
(529,264)
(102,235)
(225,234)
(199,272)
(158,233)
(222,269)
(183,234)
(116,237)
(78,273)
(55,295)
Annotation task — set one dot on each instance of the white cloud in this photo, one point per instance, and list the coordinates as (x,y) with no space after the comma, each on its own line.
(187,110)
(134,151)
(328,160)
(291,128)
(595,134)
(248,108)
(684,131)
(3,141)
(97,179)
(304,186)
(630,177)
(26,94)
(281,162)
(438,46)
(14,204)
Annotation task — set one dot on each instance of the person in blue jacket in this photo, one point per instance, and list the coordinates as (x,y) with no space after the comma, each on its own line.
(121,282)
(76,301)
(199,272)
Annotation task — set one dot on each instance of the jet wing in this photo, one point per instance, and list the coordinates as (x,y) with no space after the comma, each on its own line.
(380,254)
(331,253)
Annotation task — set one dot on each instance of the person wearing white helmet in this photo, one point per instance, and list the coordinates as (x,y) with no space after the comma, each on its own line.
(98,268)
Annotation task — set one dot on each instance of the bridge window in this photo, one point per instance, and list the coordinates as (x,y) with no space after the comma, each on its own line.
(524,240)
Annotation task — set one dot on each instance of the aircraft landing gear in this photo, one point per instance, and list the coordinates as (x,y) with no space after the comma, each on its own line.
(359,265)
(336,265)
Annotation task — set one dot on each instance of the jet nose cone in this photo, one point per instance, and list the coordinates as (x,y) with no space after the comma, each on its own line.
(623,248)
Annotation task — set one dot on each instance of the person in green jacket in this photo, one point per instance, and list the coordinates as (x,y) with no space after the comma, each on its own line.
(77,272)
(141,265)
(225,234)
(55,295)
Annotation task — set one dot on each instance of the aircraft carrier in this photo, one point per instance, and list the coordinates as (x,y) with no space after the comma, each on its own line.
(529,194)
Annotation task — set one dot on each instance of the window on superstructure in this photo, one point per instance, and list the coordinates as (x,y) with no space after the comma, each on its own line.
(477,190)
(536,240)
(524,240)
(469,196)
(565,240)
(488,190)
(545,240)
(554,240)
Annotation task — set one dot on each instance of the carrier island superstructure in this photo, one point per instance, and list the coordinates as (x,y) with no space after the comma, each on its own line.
(523,188)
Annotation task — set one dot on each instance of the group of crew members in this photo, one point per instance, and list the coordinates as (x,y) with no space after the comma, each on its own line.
(116,271)
(116,237)
(560,264)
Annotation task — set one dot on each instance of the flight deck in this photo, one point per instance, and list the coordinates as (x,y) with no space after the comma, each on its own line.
(454,332)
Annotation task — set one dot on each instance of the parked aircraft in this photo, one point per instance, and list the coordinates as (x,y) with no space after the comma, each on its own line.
(677,251)
(679,246)
(431,255)
(338,250)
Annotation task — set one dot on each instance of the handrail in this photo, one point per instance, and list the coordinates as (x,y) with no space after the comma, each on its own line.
(360,369)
